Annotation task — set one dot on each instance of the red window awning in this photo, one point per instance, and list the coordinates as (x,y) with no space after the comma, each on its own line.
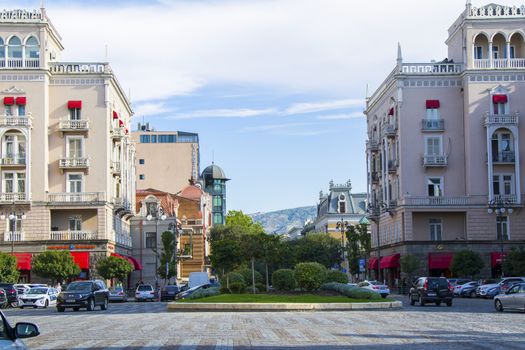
(390,261)
(499,98)
(373,264)
(9,101)
(115,115)
(120,122)
(433,104)
(136,264)
(23,261)
(21,101)
(391,111)
(496,258)
(81,259)
(74,104)
(439,261)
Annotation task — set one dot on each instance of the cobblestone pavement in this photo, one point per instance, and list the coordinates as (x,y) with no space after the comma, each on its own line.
(469,324)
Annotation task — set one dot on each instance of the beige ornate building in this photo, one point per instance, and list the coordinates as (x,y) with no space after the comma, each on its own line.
(444,148)
(67,162)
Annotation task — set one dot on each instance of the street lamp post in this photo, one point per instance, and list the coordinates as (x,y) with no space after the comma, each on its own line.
(342,225)
(500,206)
(159,216)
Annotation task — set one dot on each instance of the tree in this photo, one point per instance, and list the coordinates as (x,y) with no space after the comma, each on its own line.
(226,254)
(514,262)
(270,254)
(252,245)
(114,267)
(354,249)
(168,257)
(467,263)
(57,265)
(238,218)
(8,268)
(318,247)
(409,264)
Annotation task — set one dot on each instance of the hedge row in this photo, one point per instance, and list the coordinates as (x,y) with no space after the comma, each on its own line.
(350,291)
(307,276)
(202,293)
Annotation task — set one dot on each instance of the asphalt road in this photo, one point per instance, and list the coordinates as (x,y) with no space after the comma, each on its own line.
(468,324)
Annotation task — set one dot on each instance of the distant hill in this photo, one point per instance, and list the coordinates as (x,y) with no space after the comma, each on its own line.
(281,221)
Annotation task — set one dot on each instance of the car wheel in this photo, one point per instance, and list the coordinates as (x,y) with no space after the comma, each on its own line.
(61,309)
(438,303)
(421,301)
(105,305)
(91,305)
(46,304)
(498,305)
(412,301)
(449,303)
(384,296)
(76,308)
(472,294)
(21,307)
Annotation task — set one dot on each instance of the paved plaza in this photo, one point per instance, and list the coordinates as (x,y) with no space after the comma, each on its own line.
(469,324)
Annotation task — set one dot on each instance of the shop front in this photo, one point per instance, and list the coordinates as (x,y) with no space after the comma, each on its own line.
(390,269)
(439,264)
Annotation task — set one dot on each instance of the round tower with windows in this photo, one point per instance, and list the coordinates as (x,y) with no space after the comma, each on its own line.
(214,181)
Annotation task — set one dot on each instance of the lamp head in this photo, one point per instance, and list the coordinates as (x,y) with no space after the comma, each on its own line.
(149,217)
(163,217)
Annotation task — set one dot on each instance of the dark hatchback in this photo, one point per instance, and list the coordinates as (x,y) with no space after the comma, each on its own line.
(11,292)
(431,290)
(169,293)
(84,294)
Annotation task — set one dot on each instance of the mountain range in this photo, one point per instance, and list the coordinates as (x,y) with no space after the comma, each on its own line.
(281,221)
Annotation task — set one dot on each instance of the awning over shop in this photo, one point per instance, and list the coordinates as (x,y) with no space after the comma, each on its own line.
(81,259)
(496,258)
(136,264)
(390,261)
(373,264)
(23,261)
(439,261)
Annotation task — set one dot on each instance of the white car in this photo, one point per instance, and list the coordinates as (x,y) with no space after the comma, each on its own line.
(38,297)
(375,286)
(145,292)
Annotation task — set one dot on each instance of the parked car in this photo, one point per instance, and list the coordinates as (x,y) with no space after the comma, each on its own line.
(431,289)
(84,294)
(10,337)
(467,290)
(458,287)
(22,288)
(38,296)
(145,292)
(375,286)
(190,291)
(491,290)
(513,298)
(3,299)
(169,292)
(11,292)
(458,281)
(117,294)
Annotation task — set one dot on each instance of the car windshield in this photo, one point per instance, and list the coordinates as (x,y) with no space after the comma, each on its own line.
(116,289)
(144,288)
(37,291)
(376,283)
(79,287)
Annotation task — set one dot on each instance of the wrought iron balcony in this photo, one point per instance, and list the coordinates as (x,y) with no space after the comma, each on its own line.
(435,160)
(74,125)
(504,157)
(74,163)
(72,235)
(433,125)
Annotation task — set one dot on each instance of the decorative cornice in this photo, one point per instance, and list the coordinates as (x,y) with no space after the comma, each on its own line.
(13,90)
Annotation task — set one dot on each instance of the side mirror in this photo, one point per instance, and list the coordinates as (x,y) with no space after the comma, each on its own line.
(26,330)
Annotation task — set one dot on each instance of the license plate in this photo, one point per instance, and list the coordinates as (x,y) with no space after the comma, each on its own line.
(431,294)
(70,300)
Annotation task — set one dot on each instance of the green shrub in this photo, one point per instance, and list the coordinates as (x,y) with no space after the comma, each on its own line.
(247,275)
(235,277)
(336,276)
(351,292)
(284,279)
(224,290)
(237,287)
(310,276)
(260,287)
(203,293)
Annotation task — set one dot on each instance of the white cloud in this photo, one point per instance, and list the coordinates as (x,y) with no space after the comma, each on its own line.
(308,107)
(149,109)
(354,115)
(224,113)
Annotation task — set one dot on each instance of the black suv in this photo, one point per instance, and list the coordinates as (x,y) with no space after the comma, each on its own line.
(432,290)
(169,292)
(88,294)
(11,292)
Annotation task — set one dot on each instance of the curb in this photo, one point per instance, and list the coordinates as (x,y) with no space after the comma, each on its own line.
(236,307)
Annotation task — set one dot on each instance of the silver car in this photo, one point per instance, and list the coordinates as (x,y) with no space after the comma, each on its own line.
(513,299)
(117,294)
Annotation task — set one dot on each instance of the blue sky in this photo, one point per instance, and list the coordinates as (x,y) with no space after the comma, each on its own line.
(275,88)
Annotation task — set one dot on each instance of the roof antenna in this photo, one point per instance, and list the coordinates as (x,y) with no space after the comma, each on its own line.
(212,157)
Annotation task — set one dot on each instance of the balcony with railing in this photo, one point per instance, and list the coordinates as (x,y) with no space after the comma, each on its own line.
(123,239)
(389,130)
(118,133)
(73,163)
(121,203)
(72,235)
(432,68)
(499,63)
(505,198)
(17,122)
(501,119)
(13,236)
(74,125)
(436,201)
(75,197)
(115,167)
(372,145)
(11,197)
(19,63)
(13,160)
(433,125)
(79,68)
(504,157)
(435,160)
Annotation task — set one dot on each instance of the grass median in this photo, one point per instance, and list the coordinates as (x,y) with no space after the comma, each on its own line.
(278,298)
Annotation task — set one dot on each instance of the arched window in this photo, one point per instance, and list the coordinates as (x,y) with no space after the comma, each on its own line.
(14,52)
(342,204)
(503,146)
(2,53)
(13,147)
(32,53)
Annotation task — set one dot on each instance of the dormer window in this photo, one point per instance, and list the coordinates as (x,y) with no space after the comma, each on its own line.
(342,204)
